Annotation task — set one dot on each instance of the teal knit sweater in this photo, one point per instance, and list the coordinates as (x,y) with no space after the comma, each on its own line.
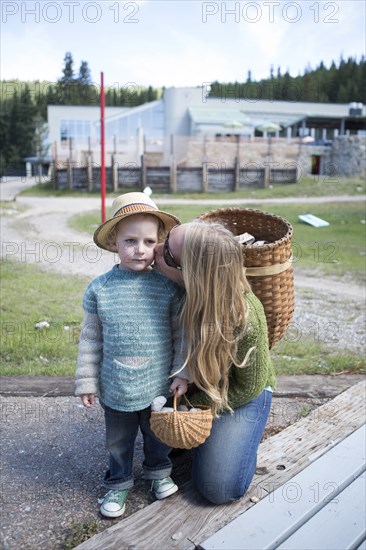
(248,382)
(134,341)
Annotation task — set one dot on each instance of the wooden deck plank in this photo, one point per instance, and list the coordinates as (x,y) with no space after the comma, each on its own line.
(284,511)
(340,525)
(186,519)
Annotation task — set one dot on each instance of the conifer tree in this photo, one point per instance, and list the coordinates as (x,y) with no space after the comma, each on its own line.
(68,71)
(84,77)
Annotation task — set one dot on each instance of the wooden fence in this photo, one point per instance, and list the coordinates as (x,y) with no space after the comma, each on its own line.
(171,179)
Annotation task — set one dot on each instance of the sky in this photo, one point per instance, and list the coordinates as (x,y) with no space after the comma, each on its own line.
(177,42)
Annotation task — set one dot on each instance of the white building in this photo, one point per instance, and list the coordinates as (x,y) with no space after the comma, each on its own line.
(164,127)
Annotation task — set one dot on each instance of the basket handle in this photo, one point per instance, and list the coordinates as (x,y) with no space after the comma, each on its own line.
(175,399)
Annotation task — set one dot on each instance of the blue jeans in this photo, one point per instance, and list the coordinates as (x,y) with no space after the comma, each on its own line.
(224,465)
(121,433)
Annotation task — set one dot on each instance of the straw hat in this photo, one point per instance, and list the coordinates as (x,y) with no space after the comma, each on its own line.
(128,205)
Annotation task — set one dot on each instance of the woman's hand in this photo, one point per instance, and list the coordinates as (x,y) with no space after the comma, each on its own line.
(179,385)
(88,400)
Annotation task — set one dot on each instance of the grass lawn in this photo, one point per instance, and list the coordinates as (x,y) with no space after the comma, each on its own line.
(307,356)
(306,187)
(335,250)
(29,296)
(8,207)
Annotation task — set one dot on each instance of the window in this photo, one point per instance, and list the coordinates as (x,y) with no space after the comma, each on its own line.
(79,130)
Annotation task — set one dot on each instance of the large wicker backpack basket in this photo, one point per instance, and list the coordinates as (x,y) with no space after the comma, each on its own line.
(182,429)
(269,266)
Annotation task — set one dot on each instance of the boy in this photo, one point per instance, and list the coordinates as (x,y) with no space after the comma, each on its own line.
(129,345)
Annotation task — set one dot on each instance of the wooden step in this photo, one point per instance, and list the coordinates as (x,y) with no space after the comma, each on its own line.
(322,507)
(185,520)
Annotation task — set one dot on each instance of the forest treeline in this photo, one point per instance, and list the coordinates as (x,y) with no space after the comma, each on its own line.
(342,83)
(23,112)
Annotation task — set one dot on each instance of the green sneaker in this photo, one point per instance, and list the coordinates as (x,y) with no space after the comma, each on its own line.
(163,487)
(113,504)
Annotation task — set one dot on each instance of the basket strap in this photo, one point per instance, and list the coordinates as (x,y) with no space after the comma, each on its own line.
(187,401)
(268,270)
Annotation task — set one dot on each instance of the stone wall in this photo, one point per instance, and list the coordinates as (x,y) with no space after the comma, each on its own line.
(348,155)
(256,151)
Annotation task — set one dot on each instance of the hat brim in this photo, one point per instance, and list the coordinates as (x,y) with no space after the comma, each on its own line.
(100,236)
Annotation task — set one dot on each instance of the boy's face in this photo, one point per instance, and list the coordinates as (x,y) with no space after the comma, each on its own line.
(136,238)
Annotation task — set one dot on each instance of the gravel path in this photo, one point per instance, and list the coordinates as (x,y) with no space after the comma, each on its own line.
(53,454)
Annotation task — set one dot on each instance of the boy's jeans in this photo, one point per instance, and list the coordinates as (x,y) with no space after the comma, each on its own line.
(224,465)
(121,432)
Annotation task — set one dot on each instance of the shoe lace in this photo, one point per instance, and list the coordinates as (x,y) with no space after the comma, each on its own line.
(157,483)
(114,496)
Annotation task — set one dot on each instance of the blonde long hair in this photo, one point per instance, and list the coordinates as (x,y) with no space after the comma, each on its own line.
(214,314)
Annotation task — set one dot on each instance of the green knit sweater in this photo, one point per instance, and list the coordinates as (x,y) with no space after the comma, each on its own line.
(248,382)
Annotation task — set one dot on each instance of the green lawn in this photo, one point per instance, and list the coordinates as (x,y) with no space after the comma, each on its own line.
(29,296)
(306,187)
(307,356)
(333,251)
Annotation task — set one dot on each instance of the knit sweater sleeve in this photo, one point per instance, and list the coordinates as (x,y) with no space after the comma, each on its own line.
(249,381)
(89,356)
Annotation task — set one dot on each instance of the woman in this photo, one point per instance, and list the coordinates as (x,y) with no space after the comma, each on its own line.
(228,355)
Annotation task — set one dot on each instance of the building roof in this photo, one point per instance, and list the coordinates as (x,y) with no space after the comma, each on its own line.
(298,108)
(209,115)
(231,117)
(134,110)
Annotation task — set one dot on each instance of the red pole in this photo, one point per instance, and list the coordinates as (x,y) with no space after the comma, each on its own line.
(102,147)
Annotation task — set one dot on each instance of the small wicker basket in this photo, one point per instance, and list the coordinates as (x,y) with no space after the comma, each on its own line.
(182,429)
(268,267)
